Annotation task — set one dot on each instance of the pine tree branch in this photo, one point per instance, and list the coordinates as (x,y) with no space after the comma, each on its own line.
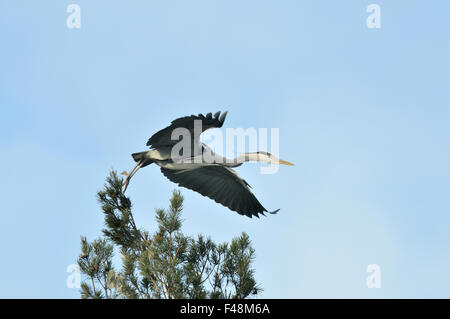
(170,264)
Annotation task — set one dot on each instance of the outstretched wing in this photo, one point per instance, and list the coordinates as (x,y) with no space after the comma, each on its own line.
(164,136)
(221,184)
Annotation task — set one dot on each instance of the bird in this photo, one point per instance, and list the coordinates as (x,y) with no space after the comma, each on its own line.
(198,168)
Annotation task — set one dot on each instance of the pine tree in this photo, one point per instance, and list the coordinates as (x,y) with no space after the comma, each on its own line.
(165,264)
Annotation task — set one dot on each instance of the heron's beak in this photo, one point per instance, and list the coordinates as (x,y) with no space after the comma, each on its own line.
(285,162)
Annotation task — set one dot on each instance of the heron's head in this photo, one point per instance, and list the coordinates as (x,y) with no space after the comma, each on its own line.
(265,157)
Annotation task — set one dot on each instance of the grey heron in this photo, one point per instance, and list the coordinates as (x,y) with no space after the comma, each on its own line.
(211,176)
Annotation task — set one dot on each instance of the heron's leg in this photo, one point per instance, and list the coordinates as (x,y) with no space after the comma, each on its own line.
(127,180)
(135,169)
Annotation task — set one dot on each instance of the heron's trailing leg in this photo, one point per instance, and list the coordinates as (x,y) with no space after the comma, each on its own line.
(129,176)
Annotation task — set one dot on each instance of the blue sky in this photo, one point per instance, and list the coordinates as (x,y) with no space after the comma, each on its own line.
(363,113)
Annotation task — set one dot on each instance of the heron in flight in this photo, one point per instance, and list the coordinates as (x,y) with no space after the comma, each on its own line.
(200,169)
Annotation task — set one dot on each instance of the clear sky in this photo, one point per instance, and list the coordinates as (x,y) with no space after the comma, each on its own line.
(363,113)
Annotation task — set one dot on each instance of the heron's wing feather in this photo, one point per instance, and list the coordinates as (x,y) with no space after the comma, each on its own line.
(164,136)
(221,184)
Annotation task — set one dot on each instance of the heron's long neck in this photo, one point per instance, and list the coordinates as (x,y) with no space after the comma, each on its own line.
(247,157)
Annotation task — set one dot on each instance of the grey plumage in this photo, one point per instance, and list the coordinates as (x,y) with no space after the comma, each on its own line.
(222,185)
(216,180)
(163,137)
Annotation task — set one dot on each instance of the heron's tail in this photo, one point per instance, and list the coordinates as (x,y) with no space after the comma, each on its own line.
(138,157)
(142,157)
